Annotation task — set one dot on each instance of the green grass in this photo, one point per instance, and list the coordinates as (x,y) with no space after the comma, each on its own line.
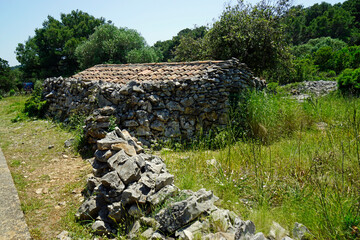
(300,174)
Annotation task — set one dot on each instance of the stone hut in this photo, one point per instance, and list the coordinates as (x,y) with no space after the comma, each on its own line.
(155,100)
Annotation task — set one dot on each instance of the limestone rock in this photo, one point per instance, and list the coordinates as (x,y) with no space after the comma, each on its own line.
(181,213)
(128,171)
(88,210)
(129,149)
(245,231)
(300,231)
(277,231)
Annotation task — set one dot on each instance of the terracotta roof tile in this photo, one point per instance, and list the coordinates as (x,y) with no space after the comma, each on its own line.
(122,73)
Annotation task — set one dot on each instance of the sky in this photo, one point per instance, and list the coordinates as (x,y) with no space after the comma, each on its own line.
(154,19)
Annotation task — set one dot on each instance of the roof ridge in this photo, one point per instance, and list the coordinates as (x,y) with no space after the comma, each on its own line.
(161,63)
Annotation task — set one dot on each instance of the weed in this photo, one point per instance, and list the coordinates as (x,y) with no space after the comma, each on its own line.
(31,204)
(15,163)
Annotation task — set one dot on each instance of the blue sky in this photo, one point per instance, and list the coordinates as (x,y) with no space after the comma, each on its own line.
(154,19)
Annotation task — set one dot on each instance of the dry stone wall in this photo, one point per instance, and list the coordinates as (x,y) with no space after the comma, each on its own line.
(177,105)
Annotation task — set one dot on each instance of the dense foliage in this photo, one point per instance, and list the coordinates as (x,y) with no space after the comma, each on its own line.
(51,52)
(109,44)
(9,78)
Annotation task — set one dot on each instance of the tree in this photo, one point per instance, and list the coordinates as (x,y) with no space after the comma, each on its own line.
(51,52)
(253,34)
(189,49)
(336,22)
(169,47)
(109,44)
(144,55)
(9,79)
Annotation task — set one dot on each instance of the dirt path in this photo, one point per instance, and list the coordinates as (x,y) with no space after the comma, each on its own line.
(12,221)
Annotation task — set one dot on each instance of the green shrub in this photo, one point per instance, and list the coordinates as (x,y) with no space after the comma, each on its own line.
(349,81)
(35,106)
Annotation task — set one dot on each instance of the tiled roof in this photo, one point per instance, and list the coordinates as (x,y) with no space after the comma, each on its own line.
(122,73)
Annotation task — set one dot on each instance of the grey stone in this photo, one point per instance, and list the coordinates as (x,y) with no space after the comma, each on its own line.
(135,230)
(157,236)
(131,123)
(135,211)
(135,193)
(163,179)
(162,115)
(147,233)
(125,90)
(128,171)
(105,143)
(196,228)
(154,98)
(99,227)
(150,222)
(258,236)
(157,125)
(300,231)
(181,213)
(174,106)
(88,210)
(172,129)
(116,211)
(187,102)
(148,179)
(277,231)
(137,89)
(117,159)
(161,195)
(112,180)
(64,235)
(221,216)
(102,155)
(245,231)
(156,165)
(143,131)
(70,142)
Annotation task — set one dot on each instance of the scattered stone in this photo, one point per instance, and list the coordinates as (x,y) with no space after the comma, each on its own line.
(68,143)
(64,235)
(99,227)
(300,231)
(277,231)
(245,230)
(135,230)
(39,191)
(147,233)
(50,146)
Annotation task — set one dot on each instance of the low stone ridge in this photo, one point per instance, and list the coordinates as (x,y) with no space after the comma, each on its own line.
(153,101)
(134,189)
(317,88)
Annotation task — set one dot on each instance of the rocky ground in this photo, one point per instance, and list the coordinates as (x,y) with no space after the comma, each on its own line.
(313,88)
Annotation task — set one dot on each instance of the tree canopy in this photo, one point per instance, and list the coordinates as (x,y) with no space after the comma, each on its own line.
(109,44)
(51,52)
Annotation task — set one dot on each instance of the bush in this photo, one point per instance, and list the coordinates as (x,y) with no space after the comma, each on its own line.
(349,81)
(35,106)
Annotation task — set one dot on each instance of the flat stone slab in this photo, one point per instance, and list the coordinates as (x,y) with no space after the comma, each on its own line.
(12,221)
